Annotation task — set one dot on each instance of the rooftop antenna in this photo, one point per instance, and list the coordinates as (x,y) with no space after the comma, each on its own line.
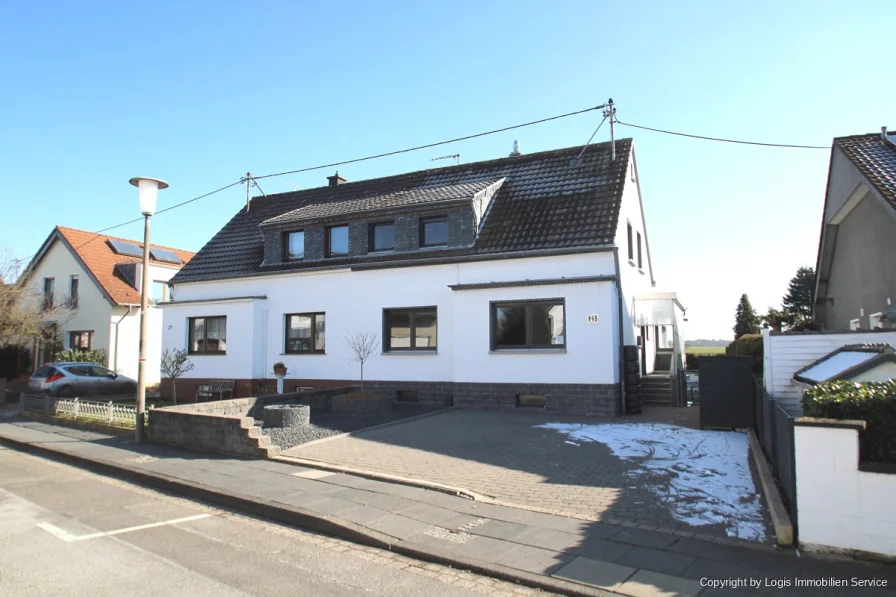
(248,181)
(455,156)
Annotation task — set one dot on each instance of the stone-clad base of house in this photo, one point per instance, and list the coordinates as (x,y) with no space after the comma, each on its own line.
(574,399)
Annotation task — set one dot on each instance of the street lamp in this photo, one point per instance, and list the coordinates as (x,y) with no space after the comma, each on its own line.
(149,192)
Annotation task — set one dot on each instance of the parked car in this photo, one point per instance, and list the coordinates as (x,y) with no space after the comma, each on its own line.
(69,380)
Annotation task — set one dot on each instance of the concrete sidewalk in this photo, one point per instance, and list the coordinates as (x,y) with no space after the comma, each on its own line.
(553,553)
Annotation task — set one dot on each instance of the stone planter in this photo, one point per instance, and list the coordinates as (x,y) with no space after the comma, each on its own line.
(286,415)
(361,406)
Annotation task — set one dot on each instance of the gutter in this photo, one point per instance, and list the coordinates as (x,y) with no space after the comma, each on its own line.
(115,366)
(618,282)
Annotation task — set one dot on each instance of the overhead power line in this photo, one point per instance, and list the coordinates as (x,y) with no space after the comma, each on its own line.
(647,128)
(428,145)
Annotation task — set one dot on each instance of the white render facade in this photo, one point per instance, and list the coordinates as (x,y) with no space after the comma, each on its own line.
(583,371)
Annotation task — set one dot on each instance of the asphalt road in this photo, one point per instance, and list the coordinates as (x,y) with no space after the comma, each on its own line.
(64,531)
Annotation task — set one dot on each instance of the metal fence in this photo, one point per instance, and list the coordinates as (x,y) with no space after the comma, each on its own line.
(106,412)
(774,427)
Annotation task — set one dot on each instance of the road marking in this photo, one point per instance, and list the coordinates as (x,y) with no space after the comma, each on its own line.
(314,474)
(68,537)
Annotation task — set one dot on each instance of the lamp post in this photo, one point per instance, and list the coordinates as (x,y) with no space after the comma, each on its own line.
(149,192)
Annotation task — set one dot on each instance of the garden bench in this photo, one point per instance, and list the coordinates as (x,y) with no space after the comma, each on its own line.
(215,389)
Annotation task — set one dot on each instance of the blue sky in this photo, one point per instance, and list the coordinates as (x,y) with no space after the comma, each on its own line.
(198,93)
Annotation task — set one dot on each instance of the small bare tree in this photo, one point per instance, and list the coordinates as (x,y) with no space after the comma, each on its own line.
(174,364)
(361,346)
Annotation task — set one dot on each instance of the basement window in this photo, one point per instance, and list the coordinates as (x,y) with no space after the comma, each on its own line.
(530,400)
(409,395)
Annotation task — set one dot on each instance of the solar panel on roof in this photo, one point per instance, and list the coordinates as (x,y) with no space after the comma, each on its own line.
(125,248)
(164,255)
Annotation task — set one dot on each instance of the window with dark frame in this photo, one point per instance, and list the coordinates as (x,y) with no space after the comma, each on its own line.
(517,325)
(294,245)
(337,241)
(80,340)
(639,250)
(73,293)
(410,329)
(49,291)
(434,231)
(631,248)
(208,335)
(381,237)
(305,333)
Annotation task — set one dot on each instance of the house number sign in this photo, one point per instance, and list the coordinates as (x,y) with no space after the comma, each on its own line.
(592,319)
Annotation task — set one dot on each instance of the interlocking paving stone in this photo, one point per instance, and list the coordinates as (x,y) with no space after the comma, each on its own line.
(603,575)
(656,560)
(653,584)
(533,559)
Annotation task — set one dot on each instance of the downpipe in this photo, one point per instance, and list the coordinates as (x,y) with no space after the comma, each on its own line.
(621,333)
(117,323)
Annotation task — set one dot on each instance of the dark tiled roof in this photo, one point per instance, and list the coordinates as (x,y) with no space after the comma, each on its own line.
(544,203)
(431,194)
(876,159)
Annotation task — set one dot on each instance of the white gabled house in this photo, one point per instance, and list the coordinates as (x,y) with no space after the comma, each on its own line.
(516,281)
(98,277)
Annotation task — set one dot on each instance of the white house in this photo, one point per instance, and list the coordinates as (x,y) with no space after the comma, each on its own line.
(99,278)
(509,282)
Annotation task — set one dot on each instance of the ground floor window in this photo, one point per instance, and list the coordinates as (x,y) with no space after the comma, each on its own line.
(410,329)
(208,335)
(80,340)
(305,332)
(528,324)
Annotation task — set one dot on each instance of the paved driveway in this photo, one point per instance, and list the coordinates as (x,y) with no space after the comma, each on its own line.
(616,471)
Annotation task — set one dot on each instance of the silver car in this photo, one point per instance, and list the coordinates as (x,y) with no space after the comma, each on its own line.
(69,380)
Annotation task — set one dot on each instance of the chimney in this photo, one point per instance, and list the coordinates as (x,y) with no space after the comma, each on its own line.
(516,150)
(336,179)
(883,133)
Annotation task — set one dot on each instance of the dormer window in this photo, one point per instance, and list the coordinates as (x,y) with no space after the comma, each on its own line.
(295,245)
(337,241)
(434,231)
(382,237)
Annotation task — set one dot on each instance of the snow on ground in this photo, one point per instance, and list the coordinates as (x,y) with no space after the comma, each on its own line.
(703,476)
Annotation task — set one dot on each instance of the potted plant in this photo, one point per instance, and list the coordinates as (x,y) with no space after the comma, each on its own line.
(279,368)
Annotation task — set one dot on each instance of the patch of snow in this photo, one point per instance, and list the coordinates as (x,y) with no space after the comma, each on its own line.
(702,476)
(570,443)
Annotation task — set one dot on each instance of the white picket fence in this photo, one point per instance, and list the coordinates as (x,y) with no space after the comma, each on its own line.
(108,412)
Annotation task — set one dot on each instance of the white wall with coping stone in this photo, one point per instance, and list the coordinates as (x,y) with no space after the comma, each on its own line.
(840,507)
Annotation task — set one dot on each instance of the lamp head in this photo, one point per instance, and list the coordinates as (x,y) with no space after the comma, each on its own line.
(149,192)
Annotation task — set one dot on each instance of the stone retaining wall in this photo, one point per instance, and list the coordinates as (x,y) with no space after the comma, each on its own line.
(228,426)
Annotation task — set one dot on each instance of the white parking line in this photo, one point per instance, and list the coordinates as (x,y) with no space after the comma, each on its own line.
(68,537)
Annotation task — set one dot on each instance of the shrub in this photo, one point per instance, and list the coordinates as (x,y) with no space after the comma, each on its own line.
(748,345)
(872,402)
(692,361)
(97,356)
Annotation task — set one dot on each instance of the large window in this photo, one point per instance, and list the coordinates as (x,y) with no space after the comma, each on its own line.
(80,340)
(337,241)
(528,324)
(305,333)
(208,335)
(73,292)
(295,245)
(382,237)
(410,329)
(434,231)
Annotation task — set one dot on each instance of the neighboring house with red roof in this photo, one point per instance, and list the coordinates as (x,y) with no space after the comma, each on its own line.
(99,277)
(856,274)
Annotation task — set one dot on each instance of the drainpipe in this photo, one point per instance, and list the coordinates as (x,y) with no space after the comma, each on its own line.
(115,366)
(619,319)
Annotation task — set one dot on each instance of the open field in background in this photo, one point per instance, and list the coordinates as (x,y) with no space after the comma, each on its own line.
(705,350)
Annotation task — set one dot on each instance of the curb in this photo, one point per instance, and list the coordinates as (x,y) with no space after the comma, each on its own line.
(780,518)
(485,499)
(300,517)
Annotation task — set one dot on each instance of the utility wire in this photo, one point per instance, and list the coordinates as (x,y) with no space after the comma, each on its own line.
(427,146)
(647,128)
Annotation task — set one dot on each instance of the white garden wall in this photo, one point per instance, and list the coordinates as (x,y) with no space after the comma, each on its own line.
(786,353)
(839,506)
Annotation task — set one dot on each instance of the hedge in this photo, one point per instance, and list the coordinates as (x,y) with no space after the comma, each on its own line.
(872,402)
(748,345)
(97,356)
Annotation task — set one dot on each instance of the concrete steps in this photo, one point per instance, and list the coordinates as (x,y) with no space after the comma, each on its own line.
(656,389)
